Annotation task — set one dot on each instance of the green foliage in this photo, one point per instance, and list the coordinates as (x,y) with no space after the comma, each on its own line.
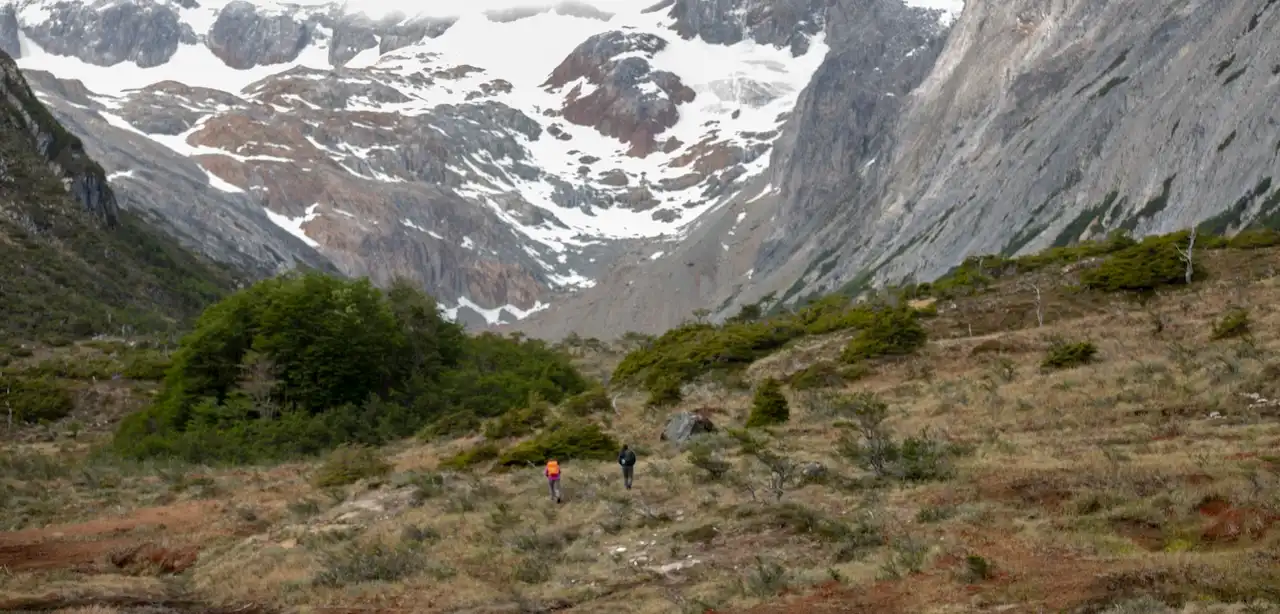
(1151,264)
(296,365)
(1233,323)
(1253,238)
(871,445)
(892,332)
(497,374)
(683,354)
(349,464)
(473,456)
(1065,355)
(977,273)
(769,407)
(593,401)
(518,422)
(826,375)
(34,399)
(565,441)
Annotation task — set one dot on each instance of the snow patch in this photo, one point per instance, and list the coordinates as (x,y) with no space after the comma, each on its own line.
(494,315)
(294,225)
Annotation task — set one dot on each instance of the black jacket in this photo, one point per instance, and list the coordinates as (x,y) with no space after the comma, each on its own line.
(627,458)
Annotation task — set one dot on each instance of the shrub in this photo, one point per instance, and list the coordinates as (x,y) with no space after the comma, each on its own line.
(1147,266)
(893,332)
(296,365)
(826,375)
(593,401)
(349,464)
(146,365)
(872,447)
(703,456)
(692,350)
(518,422)
(769,407)
(1233,323)
(375,562)
(35,399)
(471,457)
(1254,238)
(1064,355)
(578,441)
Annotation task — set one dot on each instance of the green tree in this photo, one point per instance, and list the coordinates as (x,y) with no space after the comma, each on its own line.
(297,364)
(769,406)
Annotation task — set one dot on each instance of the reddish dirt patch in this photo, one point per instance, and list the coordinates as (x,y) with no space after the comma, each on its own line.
(100,545)
(1239,523)
(1147,535)
(1039,491)
(1231,524)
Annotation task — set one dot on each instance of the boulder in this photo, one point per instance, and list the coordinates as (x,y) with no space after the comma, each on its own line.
(684,425)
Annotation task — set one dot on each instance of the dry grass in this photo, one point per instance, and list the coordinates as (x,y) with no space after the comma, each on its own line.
(1148,477)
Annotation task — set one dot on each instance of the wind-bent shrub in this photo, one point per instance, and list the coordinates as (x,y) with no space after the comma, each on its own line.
(769,406)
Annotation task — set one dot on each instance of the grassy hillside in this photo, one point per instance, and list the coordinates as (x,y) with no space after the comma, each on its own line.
(1055,444)
(66,271)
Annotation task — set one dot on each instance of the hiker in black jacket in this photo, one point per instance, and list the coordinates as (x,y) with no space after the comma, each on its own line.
(627,459)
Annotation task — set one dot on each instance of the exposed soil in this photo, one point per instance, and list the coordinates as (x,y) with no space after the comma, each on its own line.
(132,543)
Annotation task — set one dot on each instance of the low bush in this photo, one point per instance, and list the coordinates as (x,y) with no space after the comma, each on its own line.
(35,399)
(1254,238)
(704,457)
(473,456)
(1065,355)
(769,407)
(576,441)
(1149,265)
(593,401)
(826,375)
(349,464)
(1233,323)
(374,562)
(518,422)
(892,332)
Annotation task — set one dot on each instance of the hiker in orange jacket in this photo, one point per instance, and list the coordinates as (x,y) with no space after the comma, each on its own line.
(553,478)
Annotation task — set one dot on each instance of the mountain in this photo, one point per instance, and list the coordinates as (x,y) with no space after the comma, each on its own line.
(1031,124)
(71,261)
(506,159)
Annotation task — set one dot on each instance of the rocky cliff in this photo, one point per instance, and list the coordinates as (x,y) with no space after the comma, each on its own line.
(1028,124)
(503,160)
(71,261)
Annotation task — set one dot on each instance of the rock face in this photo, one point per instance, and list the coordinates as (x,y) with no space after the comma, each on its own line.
(243,38)
(107,33)
(62,152)
(9,31)
(629,101)
(72,261)
(880,52)
(396,146)
(683,426)
(1026,124)
(173,192)
(786,23)
(1148,117)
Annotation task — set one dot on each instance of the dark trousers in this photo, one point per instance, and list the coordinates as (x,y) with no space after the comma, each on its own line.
(628,473)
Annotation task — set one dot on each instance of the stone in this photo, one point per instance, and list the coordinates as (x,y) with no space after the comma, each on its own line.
(683,426)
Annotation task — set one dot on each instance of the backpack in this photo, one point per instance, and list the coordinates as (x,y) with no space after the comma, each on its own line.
(553,469)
